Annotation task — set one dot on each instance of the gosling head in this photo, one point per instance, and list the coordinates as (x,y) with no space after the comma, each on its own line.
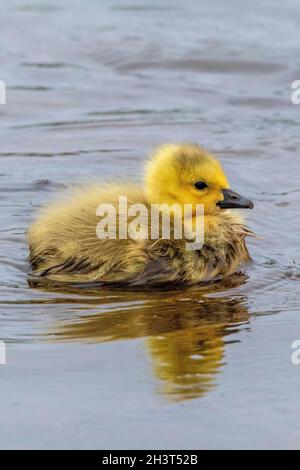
(188,174)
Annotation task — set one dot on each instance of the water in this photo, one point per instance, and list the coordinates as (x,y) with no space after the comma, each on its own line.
(92,87)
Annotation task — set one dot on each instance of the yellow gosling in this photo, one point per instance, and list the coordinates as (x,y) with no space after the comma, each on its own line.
(64,246)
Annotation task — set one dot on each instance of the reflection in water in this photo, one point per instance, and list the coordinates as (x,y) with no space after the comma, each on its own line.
(184,330)
(186,360)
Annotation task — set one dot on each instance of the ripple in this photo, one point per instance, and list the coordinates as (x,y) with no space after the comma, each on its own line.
(70,153)
(49,65)
(204,65)
(30,88)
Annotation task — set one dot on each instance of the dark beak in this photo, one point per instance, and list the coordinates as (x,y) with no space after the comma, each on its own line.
(233,200)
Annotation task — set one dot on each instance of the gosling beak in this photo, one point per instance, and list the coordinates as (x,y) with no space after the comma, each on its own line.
(233,200)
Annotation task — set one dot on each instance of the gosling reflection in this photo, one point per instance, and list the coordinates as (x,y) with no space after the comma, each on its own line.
(185,331)
(186,361)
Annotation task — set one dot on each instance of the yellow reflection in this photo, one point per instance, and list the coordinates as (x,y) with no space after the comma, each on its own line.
(184,330)
(186,361)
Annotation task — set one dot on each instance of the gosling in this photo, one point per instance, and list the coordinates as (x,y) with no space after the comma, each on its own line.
(66,248)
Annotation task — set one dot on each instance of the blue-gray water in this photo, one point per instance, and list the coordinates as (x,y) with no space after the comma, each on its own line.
(92,87)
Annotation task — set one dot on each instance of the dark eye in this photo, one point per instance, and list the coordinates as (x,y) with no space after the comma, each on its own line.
(200,185)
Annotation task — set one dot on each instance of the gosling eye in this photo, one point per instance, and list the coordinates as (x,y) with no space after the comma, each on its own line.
(200,185)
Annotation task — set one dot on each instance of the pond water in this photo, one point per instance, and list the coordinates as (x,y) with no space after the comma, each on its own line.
(92,88)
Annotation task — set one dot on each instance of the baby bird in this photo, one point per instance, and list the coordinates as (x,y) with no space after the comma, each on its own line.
(65,245)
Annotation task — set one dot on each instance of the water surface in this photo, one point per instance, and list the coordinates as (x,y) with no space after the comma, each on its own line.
(92,88)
